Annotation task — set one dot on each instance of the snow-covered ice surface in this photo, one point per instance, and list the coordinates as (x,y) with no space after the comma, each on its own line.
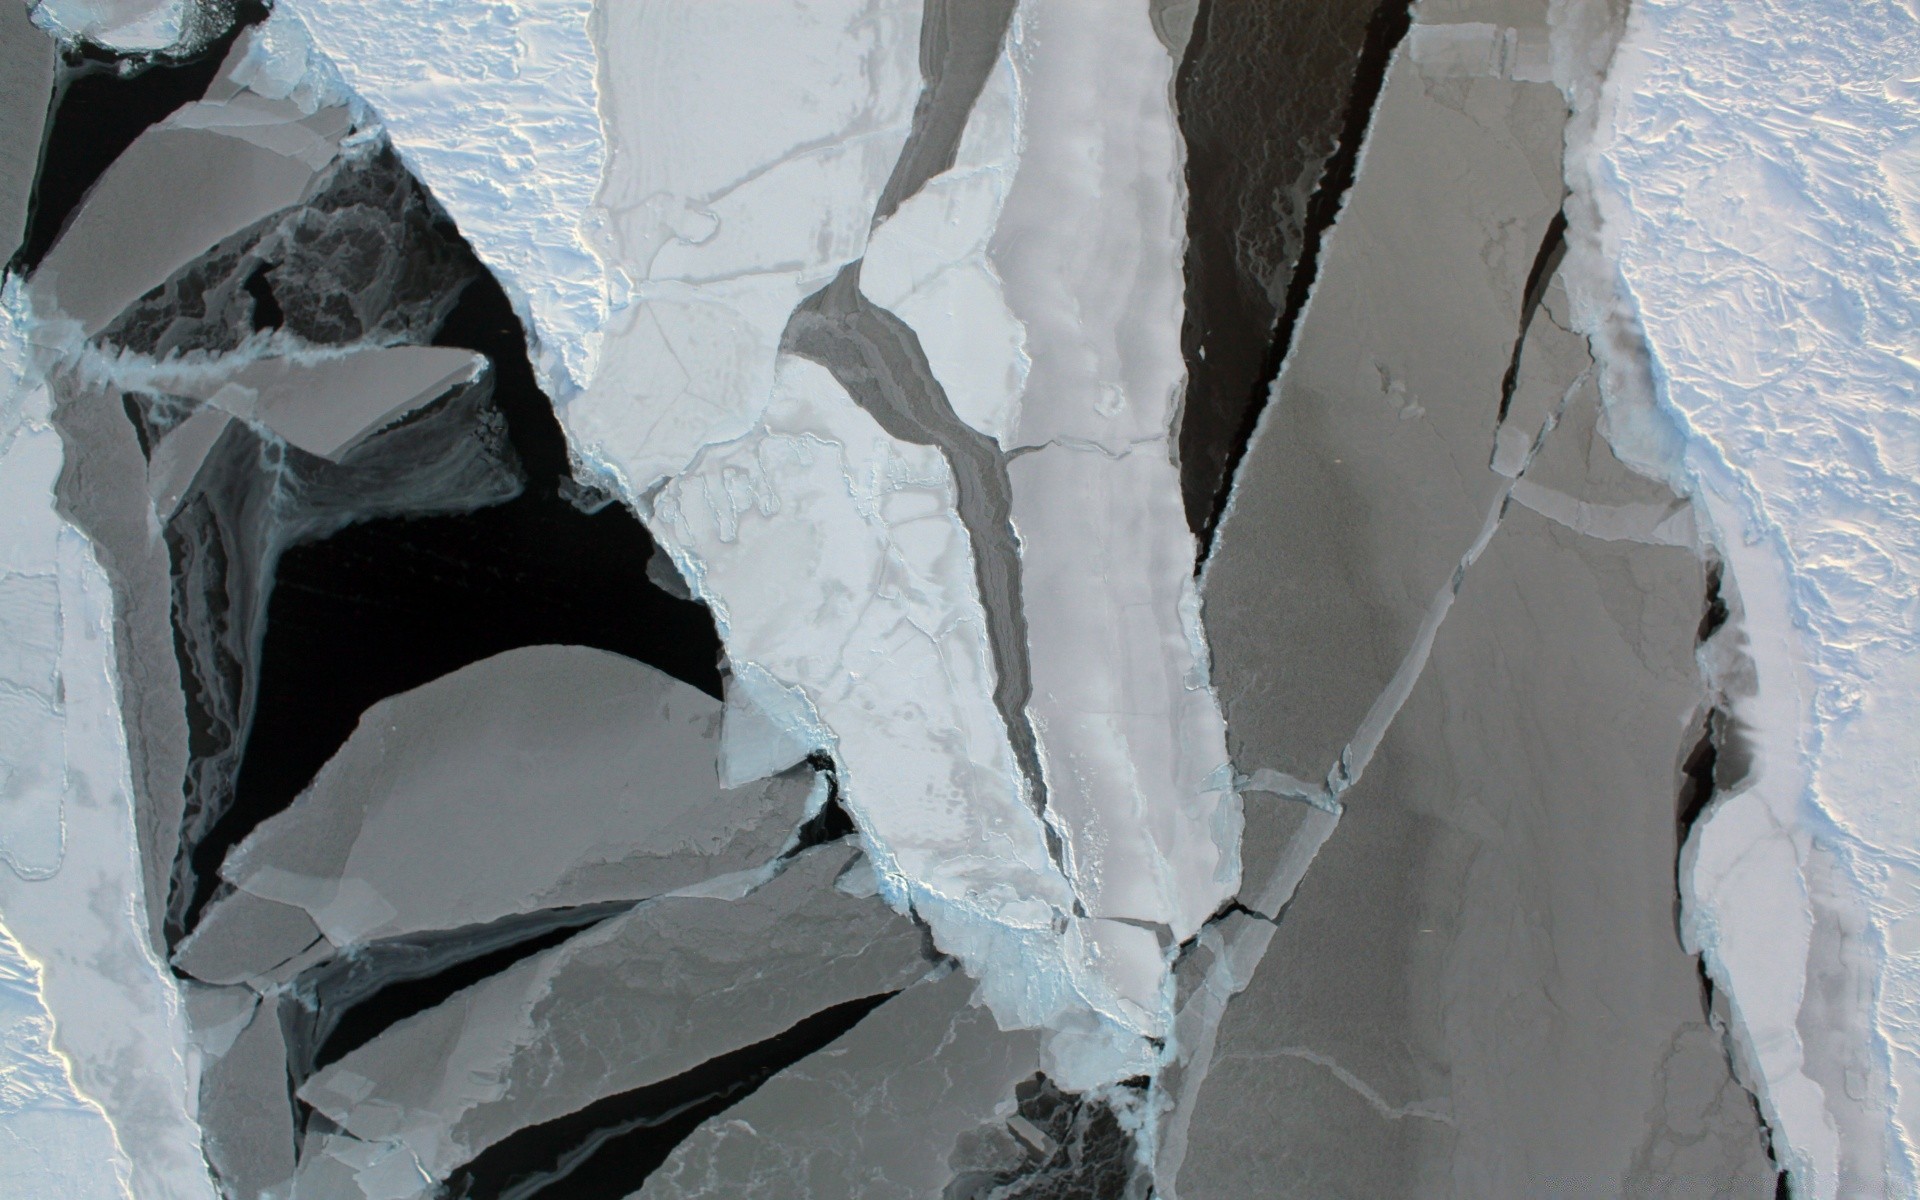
(70,891)
(1758,175)
(492,107)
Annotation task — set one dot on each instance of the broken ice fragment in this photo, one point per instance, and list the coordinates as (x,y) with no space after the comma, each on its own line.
(631,1002)
(246,1108)
(597,770)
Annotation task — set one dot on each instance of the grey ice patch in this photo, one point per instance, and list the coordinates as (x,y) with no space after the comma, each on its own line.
(873,1116)
(329,404)
(246,1109)
(242,936)
(576,775)
(27,60)
(672,984)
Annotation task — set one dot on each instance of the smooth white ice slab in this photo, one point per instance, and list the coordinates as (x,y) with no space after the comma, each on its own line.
(1137,771)
(1757,186)
(70,879)
(575,775)
(1090,241)
(216,167)
(749,144)
(927,264)
(492,107)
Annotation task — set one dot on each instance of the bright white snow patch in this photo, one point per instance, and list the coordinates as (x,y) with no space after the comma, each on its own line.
(492,106)
(1761,168)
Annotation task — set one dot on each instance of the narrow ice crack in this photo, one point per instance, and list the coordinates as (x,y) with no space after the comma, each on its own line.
(1427,1110)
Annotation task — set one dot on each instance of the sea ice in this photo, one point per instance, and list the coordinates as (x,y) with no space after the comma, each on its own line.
(631,1002)
(1752,168)
(597,770)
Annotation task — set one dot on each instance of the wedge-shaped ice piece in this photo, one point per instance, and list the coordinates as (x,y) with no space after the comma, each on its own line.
(927,262)
(211,169)
(177,460)
(631,1002)
(598,771)
(246,1109)
(874,1116)
(328,405)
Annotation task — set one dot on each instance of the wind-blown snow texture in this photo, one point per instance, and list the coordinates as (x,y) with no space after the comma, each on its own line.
(493,107)
(1761,185)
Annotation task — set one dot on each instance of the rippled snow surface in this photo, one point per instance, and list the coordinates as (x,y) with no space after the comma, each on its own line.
(1766,160)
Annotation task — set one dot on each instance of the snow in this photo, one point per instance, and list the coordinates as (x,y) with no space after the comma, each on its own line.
(1757,180)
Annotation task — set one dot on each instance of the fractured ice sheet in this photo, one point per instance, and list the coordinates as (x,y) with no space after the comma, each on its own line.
(634,1001)
(1134,743)
(822,528)
(877,1115)
(1768,253)
(70,886)
(1469,718)
(598,771)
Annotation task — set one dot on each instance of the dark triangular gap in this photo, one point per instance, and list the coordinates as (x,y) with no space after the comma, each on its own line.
(606,1150)
(1385,31)
(344,1003)
(1546,260)
(832,822)
(102,102)
(267,313)
(388,605)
